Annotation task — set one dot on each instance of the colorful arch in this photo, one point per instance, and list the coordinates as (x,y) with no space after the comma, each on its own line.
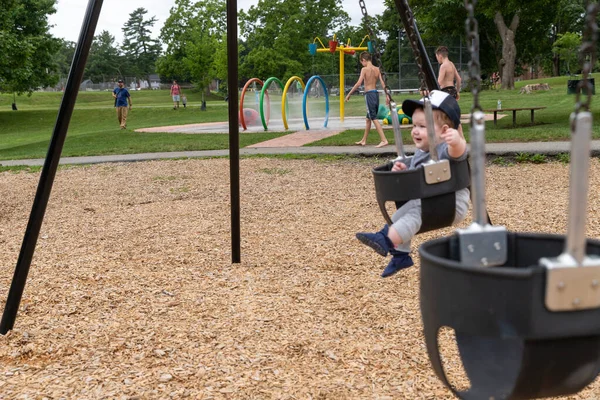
(262,95)
(284,97)
(242,121)
(306,91)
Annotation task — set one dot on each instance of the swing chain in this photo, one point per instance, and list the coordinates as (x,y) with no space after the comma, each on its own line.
(414,43)
(472,29)
(588,47)
(387,90)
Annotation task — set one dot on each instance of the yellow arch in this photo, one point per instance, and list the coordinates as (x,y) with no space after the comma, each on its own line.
(284,97)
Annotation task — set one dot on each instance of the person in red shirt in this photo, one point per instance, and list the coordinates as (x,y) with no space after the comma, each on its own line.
(175,93)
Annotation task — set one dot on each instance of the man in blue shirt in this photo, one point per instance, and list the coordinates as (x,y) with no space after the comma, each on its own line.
(121,95)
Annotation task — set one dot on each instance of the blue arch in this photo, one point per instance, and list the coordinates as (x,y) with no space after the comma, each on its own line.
(306,92)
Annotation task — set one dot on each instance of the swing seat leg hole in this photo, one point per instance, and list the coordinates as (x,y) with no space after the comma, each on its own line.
(451,361)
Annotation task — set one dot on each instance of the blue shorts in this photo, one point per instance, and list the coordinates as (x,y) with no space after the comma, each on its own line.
(175,97)
(372,100)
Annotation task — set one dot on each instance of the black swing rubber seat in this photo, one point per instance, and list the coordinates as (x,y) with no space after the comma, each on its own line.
(511,345)
(438,200)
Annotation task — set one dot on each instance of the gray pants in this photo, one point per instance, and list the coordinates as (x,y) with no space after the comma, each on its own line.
(407,219)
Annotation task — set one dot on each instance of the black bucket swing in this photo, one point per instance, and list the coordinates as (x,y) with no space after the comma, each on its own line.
(438,181)
(526,314)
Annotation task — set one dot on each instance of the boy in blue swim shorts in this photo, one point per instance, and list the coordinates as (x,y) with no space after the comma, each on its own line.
(369,75)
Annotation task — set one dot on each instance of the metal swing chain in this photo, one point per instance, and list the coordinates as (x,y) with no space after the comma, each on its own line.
(387,90)
(472,30)
(412,36)
(588,46)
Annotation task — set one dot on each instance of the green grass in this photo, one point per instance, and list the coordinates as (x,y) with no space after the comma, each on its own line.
(94,129)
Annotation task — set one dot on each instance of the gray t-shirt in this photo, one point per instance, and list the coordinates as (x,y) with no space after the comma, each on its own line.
(421,157)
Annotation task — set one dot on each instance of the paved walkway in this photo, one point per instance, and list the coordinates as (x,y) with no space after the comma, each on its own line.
(500,149)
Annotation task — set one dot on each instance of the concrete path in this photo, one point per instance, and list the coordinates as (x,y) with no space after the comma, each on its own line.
(500,149)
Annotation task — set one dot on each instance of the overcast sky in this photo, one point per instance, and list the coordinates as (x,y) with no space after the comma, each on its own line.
(69,15)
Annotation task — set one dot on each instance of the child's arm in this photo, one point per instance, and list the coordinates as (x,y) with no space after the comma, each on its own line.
(457,145)
(387,97)
(358,83)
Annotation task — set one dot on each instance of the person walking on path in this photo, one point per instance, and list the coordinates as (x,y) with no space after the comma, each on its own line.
(122,97)
(448,78)
(370,74)
(175,93)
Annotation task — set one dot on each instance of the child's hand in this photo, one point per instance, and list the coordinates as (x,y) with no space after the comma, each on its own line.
(451,136)
(399,166)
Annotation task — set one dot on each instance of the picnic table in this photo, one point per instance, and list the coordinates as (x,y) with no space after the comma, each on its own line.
(514,111)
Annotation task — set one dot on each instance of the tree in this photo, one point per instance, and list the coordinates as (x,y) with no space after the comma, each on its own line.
(141,50)
(64,57)
(509,50)
(505,26)
(193,34)
(277,34)
(103,62)
(27,48)
(569,18)
(567,47)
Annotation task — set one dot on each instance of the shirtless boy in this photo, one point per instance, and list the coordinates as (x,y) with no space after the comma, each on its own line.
(370,74)
(448,73)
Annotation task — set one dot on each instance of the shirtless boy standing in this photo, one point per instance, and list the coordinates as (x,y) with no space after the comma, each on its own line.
(448,73)
(369,75)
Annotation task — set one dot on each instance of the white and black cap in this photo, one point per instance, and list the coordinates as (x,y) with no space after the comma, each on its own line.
(439,101)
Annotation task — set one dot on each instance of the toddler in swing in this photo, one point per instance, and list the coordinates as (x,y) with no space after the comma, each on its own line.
(450,144)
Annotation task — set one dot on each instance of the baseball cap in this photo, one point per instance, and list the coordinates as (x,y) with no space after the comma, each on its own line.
(439,101)
(120,81)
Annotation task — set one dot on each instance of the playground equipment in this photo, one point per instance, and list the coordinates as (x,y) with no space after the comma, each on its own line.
(252,81)
(525,315)
(385,115)
(335,45)
(436,183)
(315,78)
(264,101)
(251,116)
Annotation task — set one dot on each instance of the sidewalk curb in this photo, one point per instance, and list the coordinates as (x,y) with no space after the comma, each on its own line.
(496,149)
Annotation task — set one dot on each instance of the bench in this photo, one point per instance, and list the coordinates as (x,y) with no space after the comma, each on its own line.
(514,111)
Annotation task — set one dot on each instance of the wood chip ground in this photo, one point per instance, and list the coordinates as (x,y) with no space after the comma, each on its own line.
(132,294)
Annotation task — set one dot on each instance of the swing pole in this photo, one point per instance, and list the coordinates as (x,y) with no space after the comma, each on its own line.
(234,130)
(44,188)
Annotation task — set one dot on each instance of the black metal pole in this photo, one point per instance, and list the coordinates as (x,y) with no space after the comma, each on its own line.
(234,129)
(430,78)
(44,188)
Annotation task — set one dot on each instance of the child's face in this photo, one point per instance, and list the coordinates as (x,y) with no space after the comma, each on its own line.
(419,130)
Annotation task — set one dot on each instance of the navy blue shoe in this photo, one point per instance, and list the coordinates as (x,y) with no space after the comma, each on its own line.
(400,260)
(377,241)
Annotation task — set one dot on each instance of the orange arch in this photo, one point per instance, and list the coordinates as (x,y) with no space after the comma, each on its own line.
(242,121)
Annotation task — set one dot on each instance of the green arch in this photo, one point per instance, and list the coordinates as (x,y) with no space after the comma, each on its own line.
(262,96)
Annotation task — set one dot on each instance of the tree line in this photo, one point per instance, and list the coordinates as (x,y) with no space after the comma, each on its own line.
(274,36)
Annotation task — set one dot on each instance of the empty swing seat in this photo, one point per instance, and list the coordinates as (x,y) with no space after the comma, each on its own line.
(438,200)
(511,345)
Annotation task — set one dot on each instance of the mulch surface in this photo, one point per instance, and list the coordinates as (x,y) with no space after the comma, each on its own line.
(132,293)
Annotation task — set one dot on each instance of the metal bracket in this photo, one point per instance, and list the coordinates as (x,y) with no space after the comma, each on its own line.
(484,246)
(437,171)
(569,286)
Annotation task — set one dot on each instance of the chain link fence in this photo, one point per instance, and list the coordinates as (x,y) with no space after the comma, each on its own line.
(407,77)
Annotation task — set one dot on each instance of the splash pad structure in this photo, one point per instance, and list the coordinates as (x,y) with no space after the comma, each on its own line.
(264,101)
(335,45)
